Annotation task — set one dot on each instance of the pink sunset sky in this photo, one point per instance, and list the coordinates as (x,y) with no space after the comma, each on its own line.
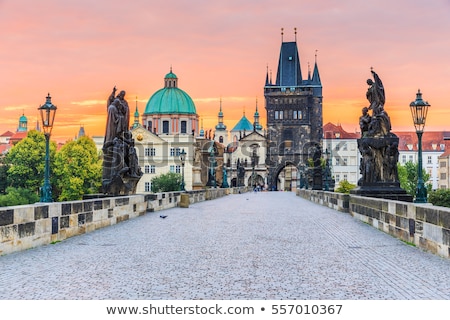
(78,50)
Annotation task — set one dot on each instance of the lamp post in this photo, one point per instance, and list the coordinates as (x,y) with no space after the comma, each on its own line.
(419,110)
(183,159)
(47,111)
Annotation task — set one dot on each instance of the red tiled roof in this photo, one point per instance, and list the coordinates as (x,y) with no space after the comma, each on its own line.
(330,130)
(431,141)
(7,134)
(18,136)
(4,147)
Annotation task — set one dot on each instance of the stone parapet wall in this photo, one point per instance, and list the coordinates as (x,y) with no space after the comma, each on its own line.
(28,226)
(333,200)
(423,225)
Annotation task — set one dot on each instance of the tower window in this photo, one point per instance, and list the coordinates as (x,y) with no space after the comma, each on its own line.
(221,139)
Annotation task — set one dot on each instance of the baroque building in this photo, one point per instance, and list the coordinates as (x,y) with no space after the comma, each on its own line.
(167,128)
(294,117)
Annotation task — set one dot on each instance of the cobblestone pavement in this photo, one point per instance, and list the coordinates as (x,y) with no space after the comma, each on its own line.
(269,245)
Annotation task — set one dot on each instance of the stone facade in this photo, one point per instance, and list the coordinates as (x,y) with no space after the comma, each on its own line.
(294,114)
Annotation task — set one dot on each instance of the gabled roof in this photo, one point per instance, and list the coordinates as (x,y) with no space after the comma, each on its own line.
(254,135)
(332,131)
(7,134)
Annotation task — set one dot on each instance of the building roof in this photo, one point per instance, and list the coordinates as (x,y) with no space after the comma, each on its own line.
(243,125)
(7,134)
(289,73)
(16,137)
(4,147)
(170,99)
(432,141)
(332,131)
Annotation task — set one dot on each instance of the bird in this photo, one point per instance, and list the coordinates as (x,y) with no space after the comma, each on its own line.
(163,217)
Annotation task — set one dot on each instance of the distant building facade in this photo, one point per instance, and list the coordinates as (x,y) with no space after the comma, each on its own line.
(341,147)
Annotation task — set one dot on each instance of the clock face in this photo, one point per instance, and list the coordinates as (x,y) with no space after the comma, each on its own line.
(140,137)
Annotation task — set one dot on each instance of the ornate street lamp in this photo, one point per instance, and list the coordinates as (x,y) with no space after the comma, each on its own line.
(47,111)
(419,110)
(183,159)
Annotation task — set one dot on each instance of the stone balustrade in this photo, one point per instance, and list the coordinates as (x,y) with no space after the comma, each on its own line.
(28,226)
(423,225)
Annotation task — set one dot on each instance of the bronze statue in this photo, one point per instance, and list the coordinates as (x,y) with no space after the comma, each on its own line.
(121,171)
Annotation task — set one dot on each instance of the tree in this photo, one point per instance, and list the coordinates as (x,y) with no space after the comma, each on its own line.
(18,196)
(3,175)
(440,197)
(408,177)
(166,182)
(26,161)
(77,170)
(345,187)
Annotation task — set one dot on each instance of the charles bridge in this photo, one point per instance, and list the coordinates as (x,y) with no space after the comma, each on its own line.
(238,245)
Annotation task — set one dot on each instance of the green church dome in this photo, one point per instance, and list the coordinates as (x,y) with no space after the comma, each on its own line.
(170,99)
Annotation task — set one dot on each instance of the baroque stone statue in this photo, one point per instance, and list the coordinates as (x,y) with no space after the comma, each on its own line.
(378,147)
(121,171)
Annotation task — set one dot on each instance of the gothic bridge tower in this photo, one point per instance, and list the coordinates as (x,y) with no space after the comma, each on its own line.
(294,117)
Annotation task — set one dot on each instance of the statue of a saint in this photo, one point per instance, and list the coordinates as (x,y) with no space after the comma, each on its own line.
(375,94)
(121,170)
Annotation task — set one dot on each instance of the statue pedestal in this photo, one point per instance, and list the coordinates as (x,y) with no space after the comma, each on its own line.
(384,190)
(379,157)
(196,178)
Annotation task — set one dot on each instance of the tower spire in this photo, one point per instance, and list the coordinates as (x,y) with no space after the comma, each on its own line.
(220,125)
(282,32)
(295,33)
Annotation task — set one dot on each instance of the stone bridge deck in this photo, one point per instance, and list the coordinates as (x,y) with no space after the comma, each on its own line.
(270,245)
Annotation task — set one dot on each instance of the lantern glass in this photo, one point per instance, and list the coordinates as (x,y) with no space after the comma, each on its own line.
(182,156)
(47,111)
(419,111)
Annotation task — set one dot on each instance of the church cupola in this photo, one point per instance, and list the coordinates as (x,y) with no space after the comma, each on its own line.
(23,124)
(170,80)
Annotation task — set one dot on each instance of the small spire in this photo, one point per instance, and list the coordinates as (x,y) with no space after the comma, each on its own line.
(282,32)
(220,104)
(315,60)
(295,32)
(171,68)
(309,71)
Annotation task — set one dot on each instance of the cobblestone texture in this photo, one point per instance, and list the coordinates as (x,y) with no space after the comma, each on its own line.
(270,245)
